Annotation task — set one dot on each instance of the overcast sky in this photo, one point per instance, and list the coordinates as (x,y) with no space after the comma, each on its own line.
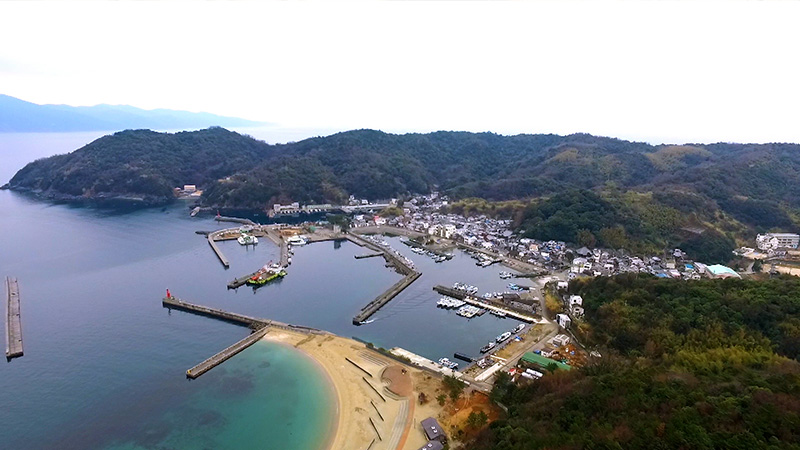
(653,71)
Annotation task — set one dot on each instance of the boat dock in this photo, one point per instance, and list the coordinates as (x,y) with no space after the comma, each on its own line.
(461,295)
(216,249)
(239,282)
(13,323)
(368,255)
(226,354)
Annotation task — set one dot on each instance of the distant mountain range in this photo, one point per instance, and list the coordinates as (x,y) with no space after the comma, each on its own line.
(20,116)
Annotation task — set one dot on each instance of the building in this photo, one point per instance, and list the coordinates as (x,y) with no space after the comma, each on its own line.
(563,320)
(560,340)
(774,241)
(433,431)
(189,188)
(539,361)
(515,301)
(432,445)
(575,300)
(720,271)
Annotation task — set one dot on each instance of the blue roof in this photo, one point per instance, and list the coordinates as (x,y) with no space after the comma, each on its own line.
(719,269)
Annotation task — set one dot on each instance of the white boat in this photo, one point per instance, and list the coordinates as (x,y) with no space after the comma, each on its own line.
(247,239)
(503,337)
(297,240)
(519,328)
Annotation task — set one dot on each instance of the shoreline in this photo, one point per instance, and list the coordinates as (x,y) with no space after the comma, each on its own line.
(341,432)
(362,388)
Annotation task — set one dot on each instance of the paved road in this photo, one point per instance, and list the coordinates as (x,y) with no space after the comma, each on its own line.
(399,425)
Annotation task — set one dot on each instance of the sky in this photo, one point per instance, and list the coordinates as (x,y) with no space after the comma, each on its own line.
(655,71)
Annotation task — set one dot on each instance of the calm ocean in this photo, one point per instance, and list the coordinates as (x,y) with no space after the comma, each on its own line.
(104,363)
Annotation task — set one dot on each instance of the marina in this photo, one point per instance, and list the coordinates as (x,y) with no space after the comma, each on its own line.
(13,320)
(503,312)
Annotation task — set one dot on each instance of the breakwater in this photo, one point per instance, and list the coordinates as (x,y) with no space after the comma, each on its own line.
(13,320)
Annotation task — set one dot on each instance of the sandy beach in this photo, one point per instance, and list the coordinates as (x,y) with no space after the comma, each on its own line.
(368,410)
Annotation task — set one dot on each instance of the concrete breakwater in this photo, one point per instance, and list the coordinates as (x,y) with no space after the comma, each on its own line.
(259,326)
(410,275)
(13,320)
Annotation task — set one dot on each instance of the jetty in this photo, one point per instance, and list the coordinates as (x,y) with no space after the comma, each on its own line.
(13,323)
(461,295)
(226,354)
(239,319)
(368,255)
(216,249)
(410,276)
(385,298)
(239,282)
(234,220)
(259,326)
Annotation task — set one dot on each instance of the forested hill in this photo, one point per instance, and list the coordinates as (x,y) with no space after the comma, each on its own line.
(685,365)
(753,184)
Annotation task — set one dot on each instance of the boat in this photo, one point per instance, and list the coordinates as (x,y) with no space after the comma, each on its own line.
(195,211)
(445,362)
(505,275)
(266,274)
(503,337)
(487,347)
(247,239)
(297,240)
(499,313)
(519,328)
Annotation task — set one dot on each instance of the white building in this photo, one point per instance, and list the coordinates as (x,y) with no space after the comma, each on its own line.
(575,300)
(563,320)
(774,241)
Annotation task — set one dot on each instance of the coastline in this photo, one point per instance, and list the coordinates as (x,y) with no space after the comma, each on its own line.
(356,422)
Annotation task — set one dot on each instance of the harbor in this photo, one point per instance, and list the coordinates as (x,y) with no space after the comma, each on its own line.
(13,320)
(465,297)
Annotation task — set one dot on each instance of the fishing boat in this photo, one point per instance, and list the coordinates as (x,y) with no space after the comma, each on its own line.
(503,337)
(487,347)
(266,274)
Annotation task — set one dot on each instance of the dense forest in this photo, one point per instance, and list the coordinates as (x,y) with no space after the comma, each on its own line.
(685,365)
(578,188)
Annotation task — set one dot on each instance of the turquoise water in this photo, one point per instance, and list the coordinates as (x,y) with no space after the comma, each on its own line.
(268,396)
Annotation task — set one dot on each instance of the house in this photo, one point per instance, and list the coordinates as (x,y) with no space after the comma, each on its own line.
(432,445)
(563,320)
(433,431)
(561,340)
(575,300)
(562,285)
(189,188)
(379,220)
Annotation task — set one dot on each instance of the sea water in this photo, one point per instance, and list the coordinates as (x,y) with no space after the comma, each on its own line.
(104,362)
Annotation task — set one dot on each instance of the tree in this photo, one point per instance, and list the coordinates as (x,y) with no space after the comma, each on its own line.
(757,265)
(585,238)
(441,398)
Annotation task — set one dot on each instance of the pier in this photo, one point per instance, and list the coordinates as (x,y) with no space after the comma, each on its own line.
(384,298)
(410,276)
(368,255)
(239,282)
(461,295)
(239,319)
(13,323)
(216,249)
(234,220)
(226,354)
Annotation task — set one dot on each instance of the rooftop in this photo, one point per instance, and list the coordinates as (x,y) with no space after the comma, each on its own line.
(540,360)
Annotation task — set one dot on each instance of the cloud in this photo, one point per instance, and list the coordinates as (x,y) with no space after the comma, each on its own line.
(680,71)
